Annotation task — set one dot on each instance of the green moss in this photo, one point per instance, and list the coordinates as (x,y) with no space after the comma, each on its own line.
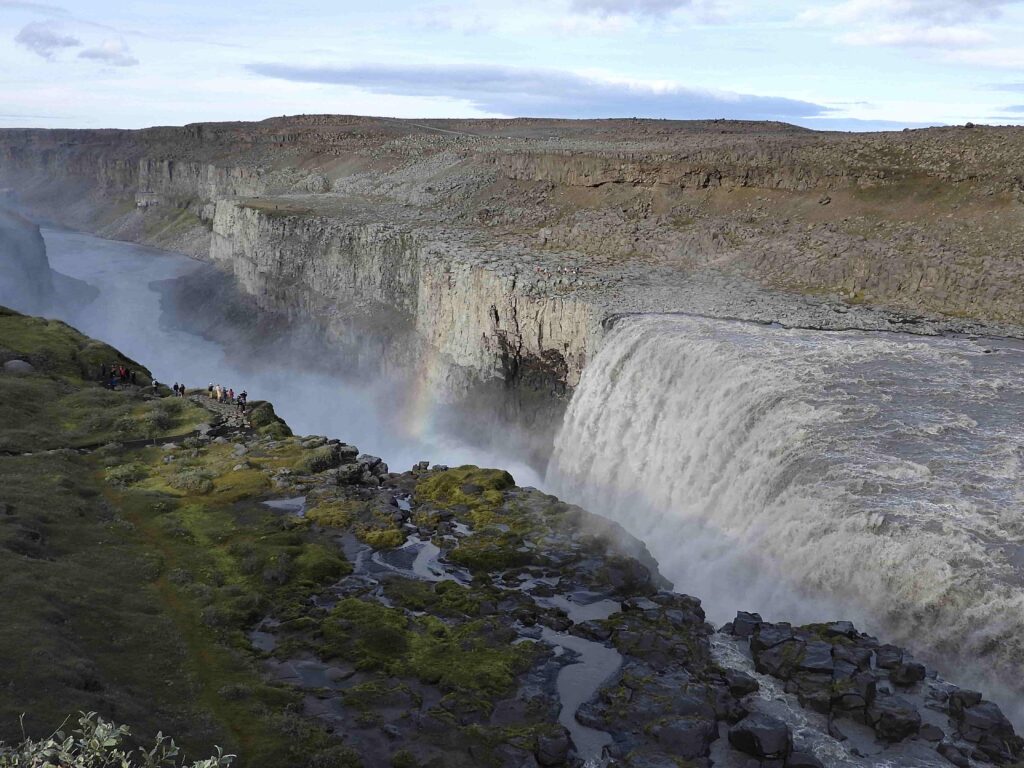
(481,490)
(261,416)
(476,657)
(388,538)
(333,514)
(319,565)
(317,460)
(443,598)
(491,552)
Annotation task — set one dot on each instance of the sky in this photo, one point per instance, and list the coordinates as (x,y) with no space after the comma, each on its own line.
(834,64)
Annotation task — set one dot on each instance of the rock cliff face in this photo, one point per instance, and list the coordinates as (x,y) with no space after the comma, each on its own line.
(488,253)
(25,279)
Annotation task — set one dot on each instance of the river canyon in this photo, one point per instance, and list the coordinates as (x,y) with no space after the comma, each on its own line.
(788,428)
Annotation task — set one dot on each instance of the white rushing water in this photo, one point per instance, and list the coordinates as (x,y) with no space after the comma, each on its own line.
(127,315)
(812,476)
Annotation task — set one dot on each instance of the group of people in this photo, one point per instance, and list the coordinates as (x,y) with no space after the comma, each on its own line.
(116,374)
(223,394)
(179,389)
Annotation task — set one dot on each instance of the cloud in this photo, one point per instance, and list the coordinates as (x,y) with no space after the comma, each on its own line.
(920,37)
(547,93)
(26,5)
(43,39)
(1011,87)
(1008,58)
(928,12)
(1014,108)
(629,7)
(112,52)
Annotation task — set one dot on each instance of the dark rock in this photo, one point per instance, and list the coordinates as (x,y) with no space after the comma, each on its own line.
(514,757)
(961,700)
(893,718)
(740,683)
(852,654)
(762,736)
(841,629)
(984,717)
(908,673)
(953,754)
(931,732)
(780,660)
(803,760)
(888,656)
(687,738)
(856,693)
(553,748)
(817,657)
(745,624)
(769,635)
(835,731)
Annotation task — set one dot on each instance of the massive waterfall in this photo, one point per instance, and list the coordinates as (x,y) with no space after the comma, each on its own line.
(813,475)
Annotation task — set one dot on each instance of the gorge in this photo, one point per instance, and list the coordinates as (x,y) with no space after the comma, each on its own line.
(676,340)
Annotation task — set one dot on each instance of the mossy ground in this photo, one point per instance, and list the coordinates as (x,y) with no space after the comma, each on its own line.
(127,593)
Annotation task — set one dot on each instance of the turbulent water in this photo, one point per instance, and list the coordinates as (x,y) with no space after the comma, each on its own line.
(127,314)
(812,475)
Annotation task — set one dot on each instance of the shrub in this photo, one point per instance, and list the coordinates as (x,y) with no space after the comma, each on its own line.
(126,474)
(191,480)
(97,743)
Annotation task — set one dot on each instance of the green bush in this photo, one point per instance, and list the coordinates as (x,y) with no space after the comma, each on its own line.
(191,480)
(126,474)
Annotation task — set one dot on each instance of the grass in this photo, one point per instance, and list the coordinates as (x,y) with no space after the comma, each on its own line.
(473,658)
(129,582)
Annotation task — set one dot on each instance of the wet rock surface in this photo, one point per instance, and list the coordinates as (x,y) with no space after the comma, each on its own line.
(856,682)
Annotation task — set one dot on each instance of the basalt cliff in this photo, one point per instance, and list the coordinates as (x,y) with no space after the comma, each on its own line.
(495,253)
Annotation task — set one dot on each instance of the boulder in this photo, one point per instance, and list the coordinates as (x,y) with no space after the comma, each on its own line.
(953,754)
(745,624)
(18,367)
(803,760)
(553,748)
(769,635)
(888,657)
(763,736)
(687,738)
(740,683)
(817,657)
(780,660)
(908,673)
(893,718)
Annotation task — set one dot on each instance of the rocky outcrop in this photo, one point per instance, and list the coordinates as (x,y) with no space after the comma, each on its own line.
(854,680)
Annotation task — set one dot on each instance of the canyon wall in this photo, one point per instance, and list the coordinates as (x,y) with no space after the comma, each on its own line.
(489,252)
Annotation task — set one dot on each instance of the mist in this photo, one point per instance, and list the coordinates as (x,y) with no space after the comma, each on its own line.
(139,309)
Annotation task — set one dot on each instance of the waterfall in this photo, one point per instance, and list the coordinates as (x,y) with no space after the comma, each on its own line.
(813,475)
